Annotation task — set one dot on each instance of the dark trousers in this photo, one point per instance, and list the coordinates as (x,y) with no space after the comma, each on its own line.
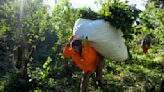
(99,73)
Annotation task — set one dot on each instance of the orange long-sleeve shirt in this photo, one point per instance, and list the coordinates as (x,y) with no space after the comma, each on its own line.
(87,62)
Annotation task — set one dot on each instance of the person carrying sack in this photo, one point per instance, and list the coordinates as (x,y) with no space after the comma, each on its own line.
(86,58)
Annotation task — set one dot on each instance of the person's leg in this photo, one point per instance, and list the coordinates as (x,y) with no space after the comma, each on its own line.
(99,72)
(84,82)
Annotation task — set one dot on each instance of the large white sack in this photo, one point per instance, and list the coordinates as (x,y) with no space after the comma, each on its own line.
(106,39)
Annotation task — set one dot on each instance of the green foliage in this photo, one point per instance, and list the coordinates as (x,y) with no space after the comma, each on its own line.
(118,14)
(14,83)
(45,35)
(87,13)
(46,67)
(122,16)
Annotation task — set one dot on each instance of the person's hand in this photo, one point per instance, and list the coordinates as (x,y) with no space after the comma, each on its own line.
(67,50)
(67,44)
(71,39)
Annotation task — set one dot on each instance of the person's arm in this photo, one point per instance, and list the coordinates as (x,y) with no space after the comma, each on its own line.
(67,51)
(79,61)
(89,61)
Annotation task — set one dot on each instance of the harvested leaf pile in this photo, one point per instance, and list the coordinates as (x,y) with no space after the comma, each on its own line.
(120,15)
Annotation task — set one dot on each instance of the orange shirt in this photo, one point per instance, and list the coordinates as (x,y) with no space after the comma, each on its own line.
(87,62)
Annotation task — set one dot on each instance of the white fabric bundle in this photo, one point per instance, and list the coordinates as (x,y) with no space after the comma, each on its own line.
(106,39)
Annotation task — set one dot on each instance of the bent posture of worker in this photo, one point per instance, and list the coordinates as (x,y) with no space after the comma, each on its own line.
(87,59)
